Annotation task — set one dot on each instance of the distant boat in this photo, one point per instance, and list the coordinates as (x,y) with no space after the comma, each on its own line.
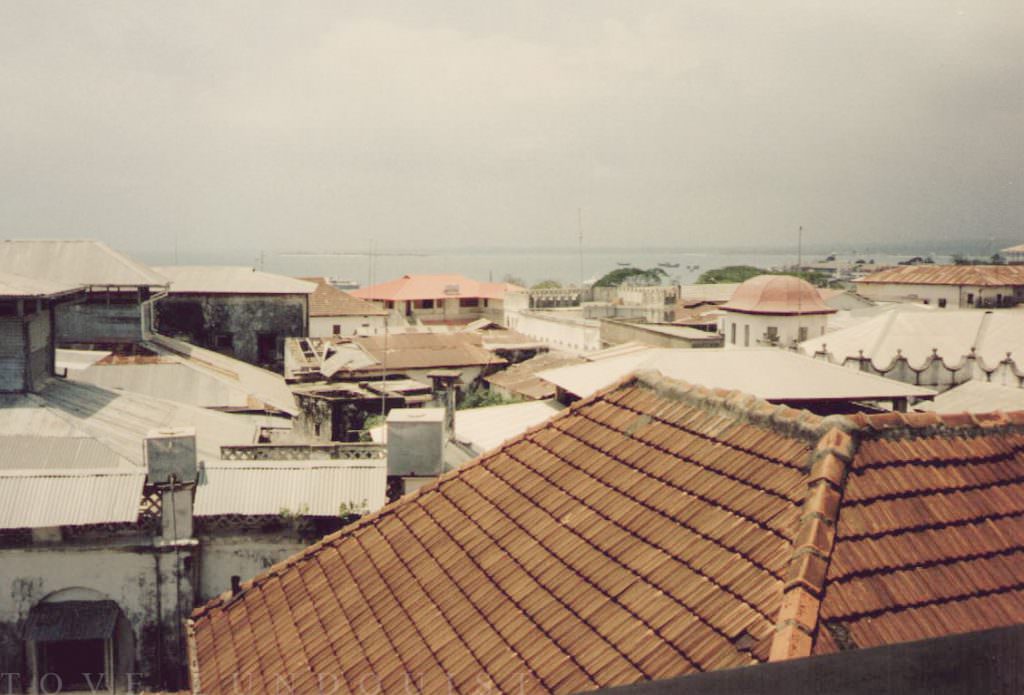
(668,265)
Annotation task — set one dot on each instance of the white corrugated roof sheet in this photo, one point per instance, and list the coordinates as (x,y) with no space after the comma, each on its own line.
(977,397)
(950,332)
(121,420)
(229,279)
(69,498)
(311,489)
(484,429)
(186,374)
(14,285)
(769,373)
(76,262)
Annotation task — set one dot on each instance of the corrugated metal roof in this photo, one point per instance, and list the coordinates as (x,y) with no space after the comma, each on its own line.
(55,452)
(973,275)
(311,489)
(769,373)
(210,279)
(121,420)
(484,429)
(30,499)
(328,300)
(261,384)
(173,381)
(14,285)
(76,262)
(427,350)
(521,379)
(976,397)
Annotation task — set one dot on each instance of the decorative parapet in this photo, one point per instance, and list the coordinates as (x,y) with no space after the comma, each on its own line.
(348,451)
(935,371)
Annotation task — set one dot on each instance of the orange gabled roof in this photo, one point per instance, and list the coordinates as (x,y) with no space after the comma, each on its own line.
(972,275)
(652,530)
(413,287)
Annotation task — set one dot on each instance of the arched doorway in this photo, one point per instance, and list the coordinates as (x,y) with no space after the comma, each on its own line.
(78,639)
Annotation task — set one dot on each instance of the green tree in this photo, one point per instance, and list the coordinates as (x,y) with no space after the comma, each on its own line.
(742,273)
(632,276)
(730,273)
(547,285)
(478,397)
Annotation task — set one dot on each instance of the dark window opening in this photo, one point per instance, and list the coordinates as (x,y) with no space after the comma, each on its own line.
(266,347)
(970,298)
(469,302)
(71,661)
(224,341)
(336,329)
(942,302)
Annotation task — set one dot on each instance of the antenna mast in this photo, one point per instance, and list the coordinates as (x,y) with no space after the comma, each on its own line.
(579,220)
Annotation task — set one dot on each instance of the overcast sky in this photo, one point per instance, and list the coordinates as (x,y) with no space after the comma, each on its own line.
(311,125)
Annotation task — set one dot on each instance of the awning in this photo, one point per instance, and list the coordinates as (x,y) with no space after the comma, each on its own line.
(71,620)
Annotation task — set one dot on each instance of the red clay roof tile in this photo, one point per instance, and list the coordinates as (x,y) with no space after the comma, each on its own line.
(648,532)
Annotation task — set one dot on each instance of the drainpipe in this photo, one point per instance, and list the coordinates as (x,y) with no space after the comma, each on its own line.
(148,309)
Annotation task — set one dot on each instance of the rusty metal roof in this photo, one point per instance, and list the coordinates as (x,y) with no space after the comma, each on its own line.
(971,275)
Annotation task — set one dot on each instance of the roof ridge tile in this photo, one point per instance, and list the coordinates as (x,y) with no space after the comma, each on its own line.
(804,584)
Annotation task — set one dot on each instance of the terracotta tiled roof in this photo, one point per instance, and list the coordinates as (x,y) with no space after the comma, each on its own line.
(651,530)
(411,287)
(328,300)
(427,350)
(777,294)
(930,539)
(974,275)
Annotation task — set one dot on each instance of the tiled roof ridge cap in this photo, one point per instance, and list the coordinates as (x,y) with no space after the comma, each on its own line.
(746,407)
(895,425)
(804,585)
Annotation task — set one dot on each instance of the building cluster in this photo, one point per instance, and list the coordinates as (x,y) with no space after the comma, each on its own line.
(225,480)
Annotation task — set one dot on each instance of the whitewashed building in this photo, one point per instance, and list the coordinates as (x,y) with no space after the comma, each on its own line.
(774,310)
(947,286)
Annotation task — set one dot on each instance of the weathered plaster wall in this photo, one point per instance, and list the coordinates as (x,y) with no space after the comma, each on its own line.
(200,318)
(96,321)
(323,326)
(242,555)
(33,573)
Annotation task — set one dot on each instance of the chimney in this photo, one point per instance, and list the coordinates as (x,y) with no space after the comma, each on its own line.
(445,384)
(416,441)
(171,468)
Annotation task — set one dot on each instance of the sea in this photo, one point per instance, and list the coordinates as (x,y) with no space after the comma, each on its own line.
(522,266)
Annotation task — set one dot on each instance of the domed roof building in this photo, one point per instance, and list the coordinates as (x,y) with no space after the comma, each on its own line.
(774,310)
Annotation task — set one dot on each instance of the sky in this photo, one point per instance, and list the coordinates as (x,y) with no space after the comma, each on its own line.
(321,126)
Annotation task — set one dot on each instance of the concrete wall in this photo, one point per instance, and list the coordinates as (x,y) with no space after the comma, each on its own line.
(619,332)
(26,354)
(242,555)
(201,318)
(566,332)
(96,321)
(323,326)
(748,330)
(123,574)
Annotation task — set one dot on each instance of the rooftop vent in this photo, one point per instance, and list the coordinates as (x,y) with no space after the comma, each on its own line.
(171,453)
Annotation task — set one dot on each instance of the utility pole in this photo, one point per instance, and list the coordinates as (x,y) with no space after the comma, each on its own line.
(800,249)
(579,220)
